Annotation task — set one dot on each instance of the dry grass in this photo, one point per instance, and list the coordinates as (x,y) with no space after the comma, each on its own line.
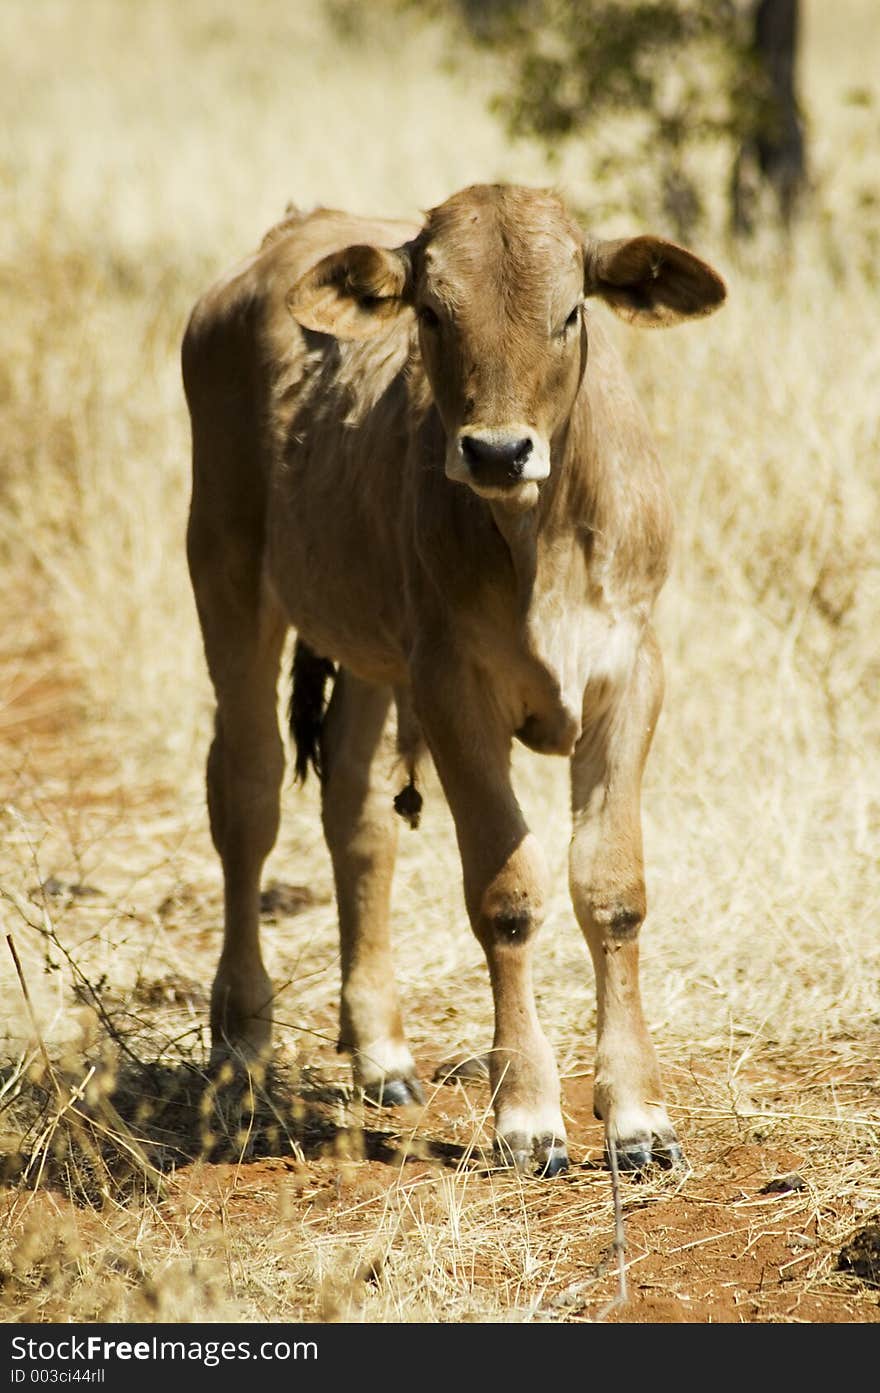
(150,146)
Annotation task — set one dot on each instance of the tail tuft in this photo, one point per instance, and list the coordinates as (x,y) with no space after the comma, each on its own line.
(408,803)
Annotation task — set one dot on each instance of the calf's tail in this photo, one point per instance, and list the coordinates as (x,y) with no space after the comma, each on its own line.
(307,706)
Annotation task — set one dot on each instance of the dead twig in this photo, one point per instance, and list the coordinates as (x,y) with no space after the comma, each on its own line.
(619,1245)
(67,1100)
(10,943)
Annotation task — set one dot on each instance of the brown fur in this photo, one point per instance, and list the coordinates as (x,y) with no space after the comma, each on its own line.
(418,446)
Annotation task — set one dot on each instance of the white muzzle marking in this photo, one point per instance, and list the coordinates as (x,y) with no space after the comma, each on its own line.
(480,458)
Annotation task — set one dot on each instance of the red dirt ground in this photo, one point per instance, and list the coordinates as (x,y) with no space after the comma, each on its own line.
(713,1245)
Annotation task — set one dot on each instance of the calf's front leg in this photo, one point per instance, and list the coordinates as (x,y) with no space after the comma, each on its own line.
(608,893)
(504,885)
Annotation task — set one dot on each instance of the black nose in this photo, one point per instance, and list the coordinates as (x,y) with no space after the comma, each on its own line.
(503,460)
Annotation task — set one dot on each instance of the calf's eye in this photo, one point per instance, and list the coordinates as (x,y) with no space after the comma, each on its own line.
(573,317)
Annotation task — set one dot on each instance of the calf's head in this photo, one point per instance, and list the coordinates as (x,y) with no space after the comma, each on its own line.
(497,280)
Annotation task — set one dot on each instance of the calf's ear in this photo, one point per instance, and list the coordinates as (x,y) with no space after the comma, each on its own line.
(354,293)
(651,282)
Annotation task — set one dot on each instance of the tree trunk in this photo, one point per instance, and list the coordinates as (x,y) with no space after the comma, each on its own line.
(773,153)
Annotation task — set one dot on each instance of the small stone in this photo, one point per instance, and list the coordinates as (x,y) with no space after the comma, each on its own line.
(861,1255)
(784,1185)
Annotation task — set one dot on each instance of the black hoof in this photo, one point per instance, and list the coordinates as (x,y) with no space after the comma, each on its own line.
(555,1157)
(394,1093)
(514,1150)
(638,1155)
(464,1067)
(231,1064)
(631,1156)
(670,1156)
(546,1156)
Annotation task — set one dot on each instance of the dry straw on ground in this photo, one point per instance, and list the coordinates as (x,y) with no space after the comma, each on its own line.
(148,147)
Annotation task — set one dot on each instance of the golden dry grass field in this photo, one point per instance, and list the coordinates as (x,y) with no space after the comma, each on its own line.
(145,147)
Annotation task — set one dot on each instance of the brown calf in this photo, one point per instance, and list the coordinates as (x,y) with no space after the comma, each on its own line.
(418,446)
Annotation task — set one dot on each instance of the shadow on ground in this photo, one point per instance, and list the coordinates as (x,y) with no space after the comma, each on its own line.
(146,1120)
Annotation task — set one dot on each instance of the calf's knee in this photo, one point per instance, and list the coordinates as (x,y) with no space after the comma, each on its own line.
(511,908)
(616,912)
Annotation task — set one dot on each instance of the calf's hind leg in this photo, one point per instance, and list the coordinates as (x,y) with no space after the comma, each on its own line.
(243,631)
(608,893)
(360,827)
